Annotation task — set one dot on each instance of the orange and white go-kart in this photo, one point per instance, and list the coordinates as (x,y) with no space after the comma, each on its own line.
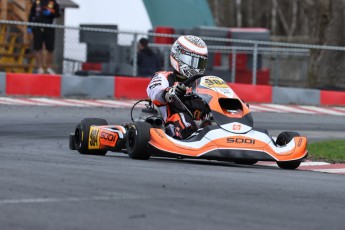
(230,135)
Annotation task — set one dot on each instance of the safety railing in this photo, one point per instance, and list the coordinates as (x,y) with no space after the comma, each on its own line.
(103,51)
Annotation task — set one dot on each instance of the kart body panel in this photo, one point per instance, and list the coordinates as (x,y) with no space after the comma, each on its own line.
(110,137)
(216,143)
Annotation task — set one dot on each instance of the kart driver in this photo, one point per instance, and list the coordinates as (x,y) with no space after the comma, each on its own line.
(188,58)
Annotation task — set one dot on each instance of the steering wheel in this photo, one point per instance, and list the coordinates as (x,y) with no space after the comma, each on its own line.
(186,97)
(193,78)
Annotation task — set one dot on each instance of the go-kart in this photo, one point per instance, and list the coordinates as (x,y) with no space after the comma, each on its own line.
(228,136)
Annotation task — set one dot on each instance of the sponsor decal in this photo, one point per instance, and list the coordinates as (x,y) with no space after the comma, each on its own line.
(236,127)
(154,85)
(108,138)
(213,82)
(93,138)
(299,143)
(240,140)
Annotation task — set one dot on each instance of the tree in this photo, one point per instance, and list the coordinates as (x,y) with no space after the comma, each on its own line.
(320,22)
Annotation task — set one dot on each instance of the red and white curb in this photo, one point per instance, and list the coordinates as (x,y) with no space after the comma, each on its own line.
(313,166)
(67,102)
(299,109)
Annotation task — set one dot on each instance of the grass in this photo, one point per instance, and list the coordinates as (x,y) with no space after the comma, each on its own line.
(332,151)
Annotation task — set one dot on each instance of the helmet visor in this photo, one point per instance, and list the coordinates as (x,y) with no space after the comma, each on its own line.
(194,62)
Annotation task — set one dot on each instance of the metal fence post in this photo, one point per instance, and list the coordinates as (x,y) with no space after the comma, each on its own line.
(276,75)
(135,58)
(255,64)
(166,58)
(233,65)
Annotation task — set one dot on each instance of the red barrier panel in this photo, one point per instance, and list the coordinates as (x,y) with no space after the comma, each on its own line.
(33,84)
(164,30)
(241,61)
(131,87)
(135,88)
(253,93)
(217,59)
(246,77)
(332,98)
(91,66)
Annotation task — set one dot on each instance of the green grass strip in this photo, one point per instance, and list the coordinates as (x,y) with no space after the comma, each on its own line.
(332,151)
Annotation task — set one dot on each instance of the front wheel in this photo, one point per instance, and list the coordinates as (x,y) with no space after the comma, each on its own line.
(137,139)
(283,139)
(288,164)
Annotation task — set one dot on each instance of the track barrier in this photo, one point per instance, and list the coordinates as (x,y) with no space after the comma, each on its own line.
(33,85)
(120,87)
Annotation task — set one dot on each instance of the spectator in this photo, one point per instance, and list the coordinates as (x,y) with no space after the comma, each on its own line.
(148,61)
(43,11)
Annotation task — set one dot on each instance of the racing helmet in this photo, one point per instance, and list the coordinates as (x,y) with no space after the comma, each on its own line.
(188,56)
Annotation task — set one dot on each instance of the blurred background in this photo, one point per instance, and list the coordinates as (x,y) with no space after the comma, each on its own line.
(297,43)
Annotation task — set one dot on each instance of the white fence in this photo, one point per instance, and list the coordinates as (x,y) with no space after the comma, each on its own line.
(279,64)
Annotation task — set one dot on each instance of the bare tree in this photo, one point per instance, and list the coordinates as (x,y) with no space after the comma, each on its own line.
(319,21)
(274,17)
(326,19)
(250,14)
(239,13)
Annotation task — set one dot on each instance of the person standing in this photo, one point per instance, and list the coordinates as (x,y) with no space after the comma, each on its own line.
(43,11)
(148,61)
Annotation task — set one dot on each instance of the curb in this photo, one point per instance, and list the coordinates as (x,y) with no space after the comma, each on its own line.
(315,166)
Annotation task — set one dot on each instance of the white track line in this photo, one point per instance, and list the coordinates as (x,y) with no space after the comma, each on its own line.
(313,163)
(340,108)
(306,163)
(72,199)
(118,103)
(20,101)
(88,103)
(289,109)
(342,170)
(7,102)
(263,108)
(323,110)
(55,102)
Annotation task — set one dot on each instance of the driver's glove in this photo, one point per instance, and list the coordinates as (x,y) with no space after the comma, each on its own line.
(178,90)
(168,94)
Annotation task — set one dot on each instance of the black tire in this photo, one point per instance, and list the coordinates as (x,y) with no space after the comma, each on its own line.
(72,141)
(81,136)
(283,139)
(288,164)
(137,139)
(246,161)
(286,137)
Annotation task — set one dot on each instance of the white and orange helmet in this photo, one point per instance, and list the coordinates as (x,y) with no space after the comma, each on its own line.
(189,56)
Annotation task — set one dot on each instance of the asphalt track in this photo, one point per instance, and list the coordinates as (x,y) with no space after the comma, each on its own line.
(44,185)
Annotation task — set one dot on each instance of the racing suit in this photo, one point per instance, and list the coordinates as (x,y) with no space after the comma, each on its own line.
(179,123)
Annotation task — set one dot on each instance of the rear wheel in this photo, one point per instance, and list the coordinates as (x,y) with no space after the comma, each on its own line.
(138,136)
(81,136)
(283,139)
